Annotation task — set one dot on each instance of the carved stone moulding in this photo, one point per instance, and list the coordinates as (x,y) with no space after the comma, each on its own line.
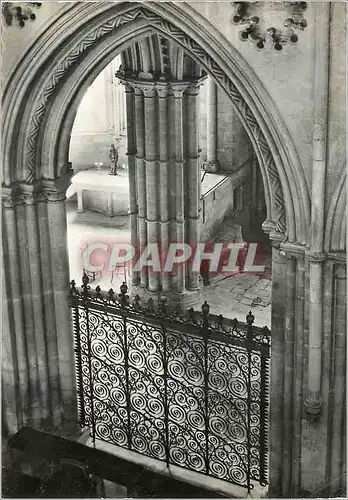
(19,11)
(249,15)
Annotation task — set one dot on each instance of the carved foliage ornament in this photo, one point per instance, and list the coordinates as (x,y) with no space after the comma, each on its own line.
(245,14)
(19,11)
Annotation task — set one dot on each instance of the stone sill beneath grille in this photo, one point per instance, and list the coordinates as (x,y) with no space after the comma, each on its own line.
(206,482)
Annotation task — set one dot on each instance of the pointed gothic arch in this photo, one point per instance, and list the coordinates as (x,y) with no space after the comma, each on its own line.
(42,96)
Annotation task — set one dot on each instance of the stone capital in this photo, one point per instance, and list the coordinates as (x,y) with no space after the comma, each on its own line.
(42,190)
(179,88)
(162,92)
(193,89)
(276,237)
(128,88)
(147,89)
(149,92)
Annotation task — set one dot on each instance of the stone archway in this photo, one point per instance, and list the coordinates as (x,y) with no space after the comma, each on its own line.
(39,151)
(40,102)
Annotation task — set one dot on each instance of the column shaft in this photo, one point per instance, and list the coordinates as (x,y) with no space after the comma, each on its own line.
(298,378)
(60,278)
(321,93)
(50,318)
(14,336)
(315,322)
(11,400)
(116,106)
(279,276)
(151,179)
(141,178)
(338,384)
(38,310)
(289,334)
(26,290)
(79,202)
(163,182)
(212,124)
(36,282)
(131,151)
(193,180)
(179,185)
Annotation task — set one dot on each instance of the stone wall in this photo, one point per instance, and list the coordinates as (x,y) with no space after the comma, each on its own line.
(287,75)
(203,116)
(229,198)
(336,151)
(233,144)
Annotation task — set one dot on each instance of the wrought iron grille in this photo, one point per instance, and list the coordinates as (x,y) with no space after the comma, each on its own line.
(188,388)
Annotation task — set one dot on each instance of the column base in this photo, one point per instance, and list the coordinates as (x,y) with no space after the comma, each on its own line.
(187,299)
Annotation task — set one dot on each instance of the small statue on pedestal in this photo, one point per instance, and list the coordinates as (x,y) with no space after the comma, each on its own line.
(113,155)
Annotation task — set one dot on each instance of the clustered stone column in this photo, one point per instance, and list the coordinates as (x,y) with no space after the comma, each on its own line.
(307,451)
(316,256)
(165,180)
(38,366)
(338,440)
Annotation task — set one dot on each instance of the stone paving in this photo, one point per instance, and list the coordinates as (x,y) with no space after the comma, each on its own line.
(235,296)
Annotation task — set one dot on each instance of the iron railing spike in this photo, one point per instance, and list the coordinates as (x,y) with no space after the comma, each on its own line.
(124,288)
(205,308)
(250,318)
